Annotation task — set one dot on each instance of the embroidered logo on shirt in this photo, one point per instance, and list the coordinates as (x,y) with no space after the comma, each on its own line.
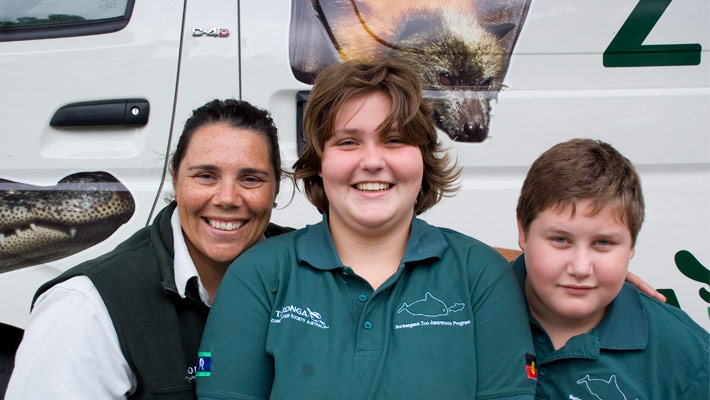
(306,316)
(204,364)
(430,307)
(530,366)
(603,389)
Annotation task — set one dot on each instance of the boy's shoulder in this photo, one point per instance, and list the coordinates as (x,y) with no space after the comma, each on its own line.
(635,321)
(671,323)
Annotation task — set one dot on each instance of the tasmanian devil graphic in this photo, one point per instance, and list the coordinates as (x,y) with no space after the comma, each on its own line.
(460,48)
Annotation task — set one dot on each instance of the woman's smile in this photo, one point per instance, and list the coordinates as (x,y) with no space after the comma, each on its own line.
(225,225)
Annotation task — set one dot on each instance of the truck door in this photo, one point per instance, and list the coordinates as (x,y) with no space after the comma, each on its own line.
(85,117)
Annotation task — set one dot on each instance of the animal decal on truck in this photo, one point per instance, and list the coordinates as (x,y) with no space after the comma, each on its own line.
(461,49)
(39,224)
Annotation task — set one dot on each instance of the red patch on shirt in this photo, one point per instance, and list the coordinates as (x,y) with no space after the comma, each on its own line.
(530,366)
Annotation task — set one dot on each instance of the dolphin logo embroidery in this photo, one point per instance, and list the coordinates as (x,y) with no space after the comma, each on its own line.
(602,389)
(430,306)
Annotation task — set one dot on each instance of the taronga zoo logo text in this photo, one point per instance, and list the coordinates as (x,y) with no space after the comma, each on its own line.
(306,316)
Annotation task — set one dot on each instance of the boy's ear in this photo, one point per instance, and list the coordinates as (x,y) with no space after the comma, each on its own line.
(633,252)
(521,236)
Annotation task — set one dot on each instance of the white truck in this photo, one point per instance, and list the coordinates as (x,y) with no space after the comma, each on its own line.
(94,93)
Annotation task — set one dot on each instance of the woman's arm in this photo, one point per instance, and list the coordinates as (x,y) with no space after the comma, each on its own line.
(70,348)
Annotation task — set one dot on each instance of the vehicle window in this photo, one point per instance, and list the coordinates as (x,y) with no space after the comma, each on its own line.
(37,19)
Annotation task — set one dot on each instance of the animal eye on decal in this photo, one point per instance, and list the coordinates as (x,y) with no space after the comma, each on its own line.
(487,84)
(445,79)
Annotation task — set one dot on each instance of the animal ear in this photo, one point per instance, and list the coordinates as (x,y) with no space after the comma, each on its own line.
(500,30)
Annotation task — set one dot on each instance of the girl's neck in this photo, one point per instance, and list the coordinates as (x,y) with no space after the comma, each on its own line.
(373,255)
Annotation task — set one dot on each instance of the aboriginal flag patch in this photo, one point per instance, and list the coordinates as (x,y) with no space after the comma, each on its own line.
(204,364)
(530,366)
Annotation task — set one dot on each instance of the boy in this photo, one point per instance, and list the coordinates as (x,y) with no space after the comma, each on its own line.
(579,213)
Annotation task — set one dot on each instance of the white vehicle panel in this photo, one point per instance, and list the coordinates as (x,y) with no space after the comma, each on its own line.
(45,74)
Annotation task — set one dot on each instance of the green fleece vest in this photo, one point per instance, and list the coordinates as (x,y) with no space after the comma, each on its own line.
(159,332)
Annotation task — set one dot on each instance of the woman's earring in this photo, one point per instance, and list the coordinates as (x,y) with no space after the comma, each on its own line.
(276,204)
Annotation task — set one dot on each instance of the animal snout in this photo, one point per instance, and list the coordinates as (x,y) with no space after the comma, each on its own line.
(474,131)
(463,116)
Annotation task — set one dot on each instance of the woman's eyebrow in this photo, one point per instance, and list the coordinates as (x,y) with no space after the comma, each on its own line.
(206,167)
(251,170)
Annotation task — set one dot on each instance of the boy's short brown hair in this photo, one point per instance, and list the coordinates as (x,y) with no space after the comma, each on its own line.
(583,169)
(342,82)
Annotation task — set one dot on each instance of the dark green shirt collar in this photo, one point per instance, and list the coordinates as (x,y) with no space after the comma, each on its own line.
(316,248)
(624,326)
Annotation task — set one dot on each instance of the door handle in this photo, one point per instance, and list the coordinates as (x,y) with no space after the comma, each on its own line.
(115,112)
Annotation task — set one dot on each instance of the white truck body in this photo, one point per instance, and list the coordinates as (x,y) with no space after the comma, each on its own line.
(556,88)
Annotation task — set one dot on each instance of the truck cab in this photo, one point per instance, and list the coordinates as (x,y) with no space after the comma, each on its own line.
(95,95)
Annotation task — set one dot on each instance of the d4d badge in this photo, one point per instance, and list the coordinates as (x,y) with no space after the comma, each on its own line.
(216,32)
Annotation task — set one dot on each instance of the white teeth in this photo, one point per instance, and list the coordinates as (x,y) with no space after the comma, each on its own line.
(33,227)
(372,186)
(2,239)
(18,232)
(226,226)
(72,232)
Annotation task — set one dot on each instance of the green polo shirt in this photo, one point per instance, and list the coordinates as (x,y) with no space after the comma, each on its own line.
(642,349)
(290,321)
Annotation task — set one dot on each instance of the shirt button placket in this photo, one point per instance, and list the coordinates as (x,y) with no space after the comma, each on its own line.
(367,324)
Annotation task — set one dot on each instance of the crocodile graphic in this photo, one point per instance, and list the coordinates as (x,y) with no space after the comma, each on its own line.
(430,306)
(39,224)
